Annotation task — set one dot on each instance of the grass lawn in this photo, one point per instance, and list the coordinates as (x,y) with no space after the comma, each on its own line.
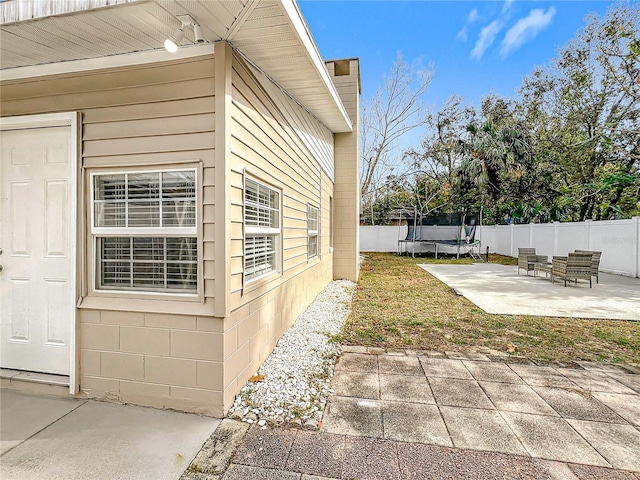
(398,305)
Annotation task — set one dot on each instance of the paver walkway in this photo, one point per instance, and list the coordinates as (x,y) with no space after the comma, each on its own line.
(425,416)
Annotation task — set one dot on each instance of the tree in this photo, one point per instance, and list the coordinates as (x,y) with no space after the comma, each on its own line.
(584,109)
(394,110)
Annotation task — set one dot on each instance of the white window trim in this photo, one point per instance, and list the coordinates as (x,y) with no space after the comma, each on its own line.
(250,230)
(164,232)
(311,232)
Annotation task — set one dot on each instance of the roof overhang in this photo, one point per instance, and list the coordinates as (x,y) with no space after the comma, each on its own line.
(45,37)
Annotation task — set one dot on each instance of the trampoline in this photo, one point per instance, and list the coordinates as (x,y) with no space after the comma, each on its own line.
(452,233)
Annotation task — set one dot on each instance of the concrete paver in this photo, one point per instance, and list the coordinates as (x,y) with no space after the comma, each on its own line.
(627,406)
(25,415)
(594,381)
(516,398)
(631,381)
(358,362)
(399,365)
(244,472)
(266,448)
(618,444)
(588,472)
(578,404)
(353,416)
(459,393)
(492,372)
(552,438)
(354,384)
(403,389)
(370,459)
(99,441)
(444,368)
(414,422)
(542,376)
(478,429)
(320,454)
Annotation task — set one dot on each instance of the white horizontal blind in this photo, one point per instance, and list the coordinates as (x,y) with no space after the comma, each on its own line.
(144,225)
(262,229)
(155,199)
(312,231)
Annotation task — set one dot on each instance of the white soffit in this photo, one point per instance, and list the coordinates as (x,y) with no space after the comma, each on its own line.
(272,33)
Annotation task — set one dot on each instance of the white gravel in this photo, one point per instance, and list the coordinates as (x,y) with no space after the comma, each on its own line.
(298,372)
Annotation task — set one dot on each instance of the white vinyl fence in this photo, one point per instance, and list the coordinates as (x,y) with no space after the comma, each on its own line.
(618,240)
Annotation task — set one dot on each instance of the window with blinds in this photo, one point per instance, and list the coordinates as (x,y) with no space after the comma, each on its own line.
(262,229)
(144,229)
(312,231)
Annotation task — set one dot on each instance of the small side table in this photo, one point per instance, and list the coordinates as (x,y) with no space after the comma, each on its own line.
(547,268)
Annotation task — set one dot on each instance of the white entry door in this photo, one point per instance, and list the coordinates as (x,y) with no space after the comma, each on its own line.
(37,287)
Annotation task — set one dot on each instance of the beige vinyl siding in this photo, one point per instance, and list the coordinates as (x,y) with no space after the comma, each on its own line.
(151,116)
(316,137)
(148,115)
(266,143)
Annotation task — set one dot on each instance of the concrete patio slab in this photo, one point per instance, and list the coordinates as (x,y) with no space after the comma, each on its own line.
(399,365)
(354,384)
(478,429)
(459,393)
(627,406)
(370,459)
(25,415)
(318,454)
(353,416)
(358,362)
(578,404)
(499,289)
(99,441)
(618,444)
(552,438)
(445,368)
(594,381)
(492,372)
(516,398)
(414,422)
(405,389)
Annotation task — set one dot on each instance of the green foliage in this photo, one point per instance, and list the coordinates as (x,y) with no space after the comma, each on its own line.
(567,149)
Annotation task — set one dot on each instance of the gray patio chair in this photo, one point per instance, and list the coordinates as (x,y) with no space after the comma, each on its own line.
(577,266)
(595,262)
(527,258)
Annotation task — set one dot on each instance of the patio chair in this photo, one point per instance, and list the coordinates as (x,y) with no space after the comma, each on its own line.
(577,266)
(595,262)
(527,258)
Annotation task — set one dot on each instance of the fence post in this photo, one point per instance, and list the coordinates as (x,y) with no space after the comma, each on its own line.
(587,224)
(511,240)
(637,249)
(531,235)
(555,238)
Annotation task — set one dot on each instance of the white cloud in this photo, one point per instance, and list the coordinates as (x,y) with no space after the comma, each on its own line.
(507,5)
(463,34)
(526,29)
(486,38)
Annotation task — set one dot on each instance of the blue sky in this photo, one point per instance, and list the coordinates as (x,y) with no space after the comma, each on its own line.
(475,47)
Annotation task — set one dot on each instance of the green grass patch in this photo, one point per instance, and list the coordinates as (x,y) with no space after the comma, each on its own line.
(399,305)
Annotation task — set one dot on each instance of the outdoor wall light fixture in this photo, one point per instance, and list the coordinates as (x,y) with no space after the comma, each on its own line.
(173,42)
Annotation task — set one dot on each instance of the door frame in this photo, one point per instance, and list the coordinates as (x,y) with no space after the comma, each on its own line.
(71,120)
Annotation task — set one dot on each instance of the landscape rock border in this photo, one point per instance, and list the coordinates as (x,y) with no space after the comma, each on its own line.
(293,383)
